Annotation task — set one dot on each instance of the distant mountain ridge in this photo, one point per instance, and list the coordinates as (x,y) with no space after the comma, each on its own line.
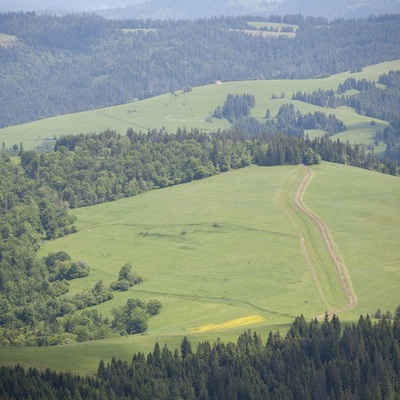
(183,9)
(339,8)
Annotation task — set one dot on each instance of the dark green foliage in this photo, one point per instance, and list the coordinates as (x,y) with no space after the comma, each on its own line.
(313,361)
(28,287)
(153,307)
(61,267)
(316,360)
(91,297)
(319,120)
(79,62)
(107,166)
(236,107)
(133,316)
(88,325)
(88,169)
(376,102)
(31,306)
(290,122)
(126,278)
(373,101)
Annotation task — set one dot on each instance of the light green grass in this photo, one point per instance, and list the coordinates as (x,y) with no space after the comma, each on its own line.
(320,262)
(240,256)
(6,40)
(360,208)
(230,239)
(274,25)
(139,30)
(193,109)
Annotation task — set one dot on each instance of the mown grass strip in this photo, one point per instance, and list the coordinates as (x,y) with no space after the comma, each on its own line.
(315,245)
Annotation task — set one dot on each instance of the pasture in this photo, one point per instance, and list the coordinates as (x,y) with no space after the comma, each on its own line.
(194,109)
(223,256)
(275,29)
(7,40)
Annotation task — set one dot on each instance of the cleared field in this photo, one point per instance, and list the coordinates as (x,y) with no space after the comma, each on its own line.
(222,251)
(274,25)
(7,40)
(195,108)
(359,207)
(255,32)
(139,30)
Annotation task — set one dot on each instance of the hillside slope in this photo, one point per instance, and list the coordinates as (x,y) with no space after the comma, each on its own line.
(207,8)
(194,109)
(59,65)
(239,263)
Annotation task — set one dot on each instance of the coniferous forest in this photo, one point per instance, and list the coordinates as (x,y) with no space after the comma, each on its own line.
(315,360)
(58,65)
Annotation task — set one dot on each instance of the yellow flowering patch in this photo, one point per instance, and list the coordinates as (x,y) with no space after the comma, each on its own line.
(252,319)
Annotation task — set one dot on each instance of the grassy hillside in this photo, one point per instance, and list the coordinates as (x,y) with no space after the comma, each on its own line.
(194,109)
(359,208)
(222,255)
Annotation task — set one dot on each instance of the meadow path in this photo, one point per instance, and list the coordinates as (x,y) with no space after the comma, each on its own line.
(343,278)
(327,239)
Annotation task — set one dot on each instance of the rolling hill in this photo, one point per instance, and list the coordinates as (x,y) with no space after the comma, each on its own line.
(194,109)
(224,254)
(207,8)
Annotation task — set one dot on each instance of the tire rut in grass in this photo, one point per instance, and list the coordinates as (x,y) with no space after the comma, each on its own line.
(337,260)
(296,211)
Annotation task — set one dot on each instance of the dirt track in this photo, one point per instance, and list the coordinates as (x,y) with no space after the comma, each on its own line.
(344,279)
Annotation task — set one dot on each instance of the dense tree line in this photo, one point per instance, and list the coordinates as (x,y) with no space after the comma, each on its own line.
(79,62)
(290,122)
(95,168)
(326,98)
(391,136)
(377,102)
(357,84)
(34,300)
(315,360)
(370,100)
(283,150)
(89,169)
(319,120)
(320,97)
(235,107)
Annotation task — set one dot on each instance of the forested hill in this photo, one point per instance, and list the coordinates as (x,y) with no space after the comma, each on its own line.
(207,8)
(57,65)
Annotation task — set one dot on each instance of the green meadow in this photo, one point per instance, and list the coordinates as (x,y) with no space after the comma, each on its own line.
(194,109)
(359,207)
(222,256)
(274,25)
(7,40)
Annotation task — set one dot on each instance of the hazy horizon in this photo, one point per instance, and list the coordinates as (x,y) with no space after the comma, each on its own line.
(181,9)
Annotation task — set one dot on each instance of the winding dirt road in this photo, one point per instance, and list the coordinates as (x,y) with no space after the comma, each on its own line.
(341,269)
